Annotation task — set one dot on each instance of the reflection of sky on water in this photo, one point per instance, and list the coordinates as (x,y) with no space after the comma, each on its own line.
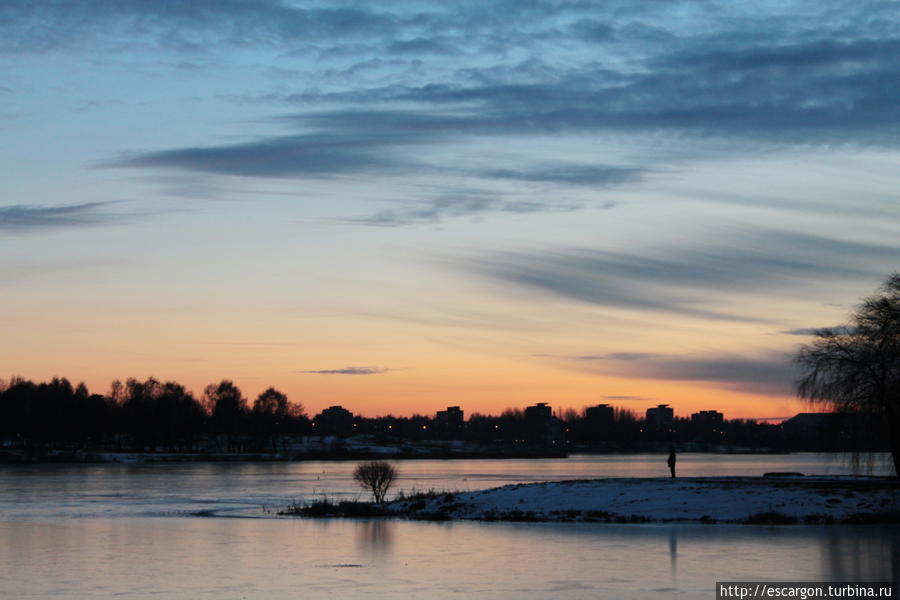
(374,536)
(108,490)
(268,559)
(673,551)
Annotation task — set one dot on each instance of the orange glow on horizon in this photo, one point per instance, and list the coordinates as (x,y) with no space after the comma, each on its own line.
(400,394)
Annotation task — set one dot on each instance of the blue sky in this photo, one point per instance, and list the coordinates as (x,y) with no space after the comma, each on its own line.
(400,203)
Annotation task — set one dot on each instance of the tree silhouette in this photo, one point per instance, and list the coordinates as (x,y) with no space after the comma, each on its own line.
(271,402)
(271,412)
(160,414)
(856,367)
(376,477)
(228,410)
(139,412)
(179,415)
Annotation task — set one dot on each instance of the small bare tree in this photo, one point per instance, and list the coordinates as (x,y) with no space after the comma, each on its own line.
(375,476)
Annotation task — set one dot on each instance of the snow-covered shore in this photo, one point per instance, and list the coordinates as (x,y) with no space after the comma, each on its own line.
(700,499)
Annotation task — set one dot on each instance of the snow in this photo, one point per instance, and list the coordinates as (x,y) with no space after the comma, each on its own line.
(728,499)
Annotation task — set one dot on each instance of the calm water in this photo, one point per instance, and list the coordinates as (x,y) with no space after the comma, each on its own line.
(169,532)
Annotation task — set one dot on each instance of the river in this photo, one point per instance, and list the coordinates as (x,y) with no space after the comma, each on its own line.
(195,530)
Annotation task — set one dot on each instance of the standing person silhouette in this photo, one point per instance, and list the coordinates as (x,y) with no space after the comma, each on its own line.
(671,461)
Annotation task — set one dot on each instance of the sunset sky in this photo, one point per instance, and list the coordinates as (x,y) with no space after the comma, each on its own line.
(399,206)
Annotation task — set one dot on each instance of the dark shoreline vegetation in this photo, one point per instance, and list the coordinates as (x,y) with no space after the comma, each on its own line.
(154,421)
(436,505)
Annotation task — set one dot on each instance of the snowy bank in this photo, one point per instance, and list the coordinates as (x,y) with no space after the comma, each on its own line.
(700,499)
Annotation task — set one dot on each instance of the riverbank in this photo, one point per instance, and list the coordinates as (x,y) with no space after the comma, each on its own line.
(348,450)
(749,500)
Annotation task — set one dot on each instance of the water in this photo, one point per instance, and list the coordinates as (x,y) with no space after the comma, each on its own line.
(167,531)
(244,489)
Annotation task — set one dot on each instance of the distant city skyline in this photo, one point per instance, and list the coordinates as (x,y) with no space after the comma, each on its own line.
(400,207)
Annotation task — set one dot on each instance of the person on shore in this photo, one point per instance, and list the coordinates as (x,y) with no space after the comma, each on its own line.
(671,461)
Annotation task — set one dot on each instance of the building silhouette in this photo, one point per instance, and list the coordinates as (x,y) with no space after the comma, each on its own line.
(598,422)
(660,417)
(541,427)
(449,423)
(708,419)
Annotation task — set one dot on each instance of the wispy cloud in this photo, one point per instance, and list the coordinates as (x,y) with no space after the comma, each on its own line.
(287,156)
(703,68)
(812,331)
(349,371)
(462,204)
(627,398)
(23,218)
(685,279)
(184,27)
(804,331)
(571,174)
(506,72)
(770,373)
(616,356)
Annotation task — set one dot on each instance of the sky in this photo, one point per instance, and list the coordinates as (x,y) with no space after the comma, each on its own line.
(399,206)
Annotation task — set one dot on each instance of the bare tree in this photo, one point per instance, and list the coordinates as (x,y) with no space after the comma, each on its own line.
(856,367)
(375,476)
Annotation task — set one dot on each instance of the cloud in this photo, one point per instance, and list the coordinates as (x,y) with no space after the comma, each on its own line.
(188,26)
(813,331)
(802,56)
(616,356)
(29,218)
(350,371)
(771,373)
(419,46)
(572,174)
(687,279)
(287,156)
(713,86)
(791,73)
(804,331)
(509,73)
(687,98)
(628,398)
(461,204)
(354,141)
(768,373)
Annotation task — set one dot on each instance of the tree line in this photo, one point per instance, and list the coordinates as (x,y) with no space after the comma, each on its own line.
(853,370)
(156,416)
(146,415)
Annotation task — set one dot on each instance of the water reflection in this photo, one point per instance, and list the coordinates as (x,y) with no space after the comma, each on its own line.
(169,558)
(65,491)
(375,536)
(849,558)
(673,552)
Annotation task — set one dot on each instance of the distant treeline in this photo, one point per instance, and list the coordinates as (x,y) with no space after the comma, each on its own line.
(145,415)
(155,416)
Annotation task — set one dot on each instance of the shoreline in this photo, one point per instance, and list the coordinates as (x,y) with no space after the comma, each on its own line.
(8,457)
(327,451)
(16,456)
(708,500)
